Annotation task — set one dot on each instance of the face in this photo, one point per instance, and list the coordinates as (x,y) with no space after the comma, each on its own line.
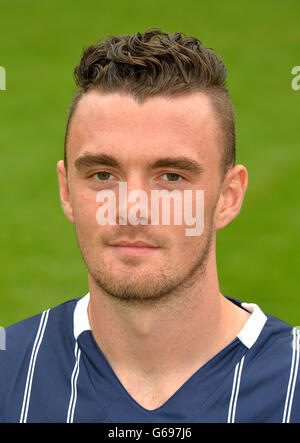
(163,144)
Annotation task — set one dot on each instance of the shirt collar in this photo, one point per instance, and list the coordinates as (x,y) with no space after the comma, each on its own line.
(254,325)
(81,319)
(248,334)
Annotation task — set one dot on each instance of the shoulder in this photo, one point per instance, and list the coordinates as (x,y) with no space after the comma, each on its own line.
(21,334)
(270,380)
(51,330)
(274,344)
(276,335)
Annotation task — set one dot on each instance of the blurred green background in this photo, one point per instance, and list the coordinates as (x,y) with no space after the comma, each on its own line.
(41,42)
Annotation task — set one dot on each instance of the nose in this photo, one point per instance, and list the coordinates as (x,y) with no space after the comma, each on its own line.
(134,202)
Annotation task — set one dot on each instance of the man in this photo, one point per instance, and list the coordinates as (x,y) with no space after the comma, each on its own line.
(154,340)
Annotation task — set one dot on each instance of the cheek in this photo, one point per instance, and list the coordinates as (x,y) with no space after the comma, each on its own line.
(184,244)
(85,210)
(198,212)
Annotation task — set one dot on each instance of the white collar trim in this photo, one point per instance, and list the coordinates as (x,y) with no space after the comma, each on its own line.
(81,318)
(254,325)
(248,335)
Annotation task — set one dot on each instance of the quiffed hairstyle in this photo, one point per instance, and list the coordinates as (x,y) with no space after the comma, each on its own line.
(156,63)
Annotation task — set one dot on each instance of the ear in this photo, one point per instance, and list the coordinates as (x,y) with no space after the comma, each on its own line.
(64,191)
(231,197)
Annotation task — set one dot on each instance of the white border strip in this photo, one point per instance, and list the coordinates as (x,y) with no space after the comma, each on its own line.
(293,377)
(254,325)
(80,318)
(235,390)
(73,397)
(34,353)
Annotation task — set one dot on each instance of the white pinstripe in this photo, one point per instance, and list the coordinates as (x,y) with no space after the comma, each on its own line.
(34,353)
(293,377)
(73,397)
(235,390)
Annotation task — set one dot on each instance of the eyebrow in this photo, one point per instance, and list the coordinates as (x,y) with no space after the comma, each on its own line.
(183,163)
(88,160)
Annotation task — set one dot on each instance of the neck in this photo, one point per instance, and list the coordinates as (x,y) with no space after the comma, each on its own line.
(151,339)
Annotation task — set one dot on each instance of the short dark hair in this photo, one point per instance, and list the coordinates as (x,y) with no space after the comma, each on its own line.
(156,63)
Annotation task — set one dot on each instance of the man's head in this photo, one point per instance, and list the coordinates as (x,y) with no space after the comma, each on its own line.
(149,107)
(157,64)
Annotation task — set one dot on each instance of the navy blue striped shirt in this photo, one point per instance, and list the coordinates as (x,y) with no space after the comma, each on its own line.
(52,370)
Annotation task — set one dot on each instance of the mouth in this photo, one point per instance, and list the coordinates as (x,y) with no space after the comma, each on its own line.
(138,248)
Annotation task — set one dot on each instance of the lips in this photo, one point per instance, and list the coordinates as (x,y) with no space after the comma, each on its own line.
(137,244)
(137,248)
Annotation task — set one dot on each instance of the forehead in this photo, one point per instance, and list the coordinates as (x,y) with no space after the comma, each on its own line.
(118,125)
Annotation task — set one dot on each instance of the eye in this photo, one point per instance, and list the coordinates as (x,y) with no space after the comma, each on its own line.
(102,175)
(172,177)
